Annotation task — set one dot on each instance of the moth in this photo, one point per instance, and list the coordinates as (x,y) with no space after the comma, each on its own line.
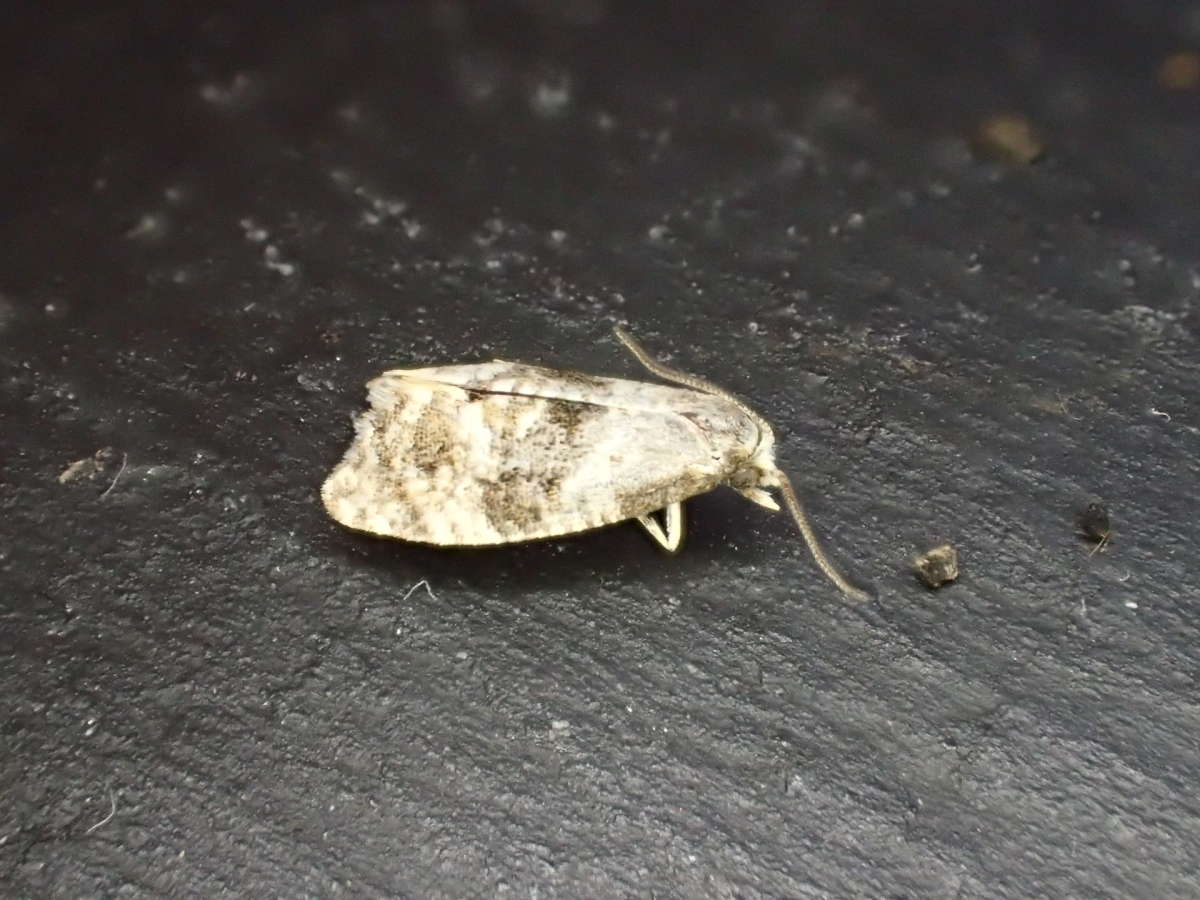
(500,452)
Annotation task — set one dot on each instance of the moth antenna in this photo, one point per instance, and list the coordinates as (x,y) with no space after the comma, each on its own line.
(667,373)
(824,563)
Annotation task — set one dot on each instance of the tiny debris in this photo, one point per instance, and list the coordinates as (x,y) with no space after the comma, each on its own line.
(1011,137)
(1095,525)
(106,463)
(550,96)
(1180,71)
(150,226)
(112,798)
(937,566)
(120,472)
(416,587)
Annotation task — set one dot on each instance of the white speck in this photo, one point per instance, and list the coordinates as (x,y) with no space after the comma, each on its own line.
(151,225)
(271,258)
(558,236)
(939,189)
(492,229)
(1131,604)
(657,232)
(461,655)
(855,220)
(412,228)
(551,96)
(237,91)
(753,327)
(605,122)
(385,206)
(253,232)
(560,724)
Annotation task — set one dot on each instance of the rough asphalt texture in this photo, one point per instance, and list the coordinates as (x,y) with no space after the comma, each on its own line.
(216,226)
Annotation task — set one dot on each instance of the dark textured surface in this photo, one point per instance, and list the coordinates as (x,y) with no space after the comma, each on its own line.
(215,227)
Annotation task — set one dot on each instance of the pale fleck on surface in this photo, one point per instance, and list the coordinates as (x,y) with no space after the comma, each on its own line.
(1180,71)
(938,566)
(1011,137)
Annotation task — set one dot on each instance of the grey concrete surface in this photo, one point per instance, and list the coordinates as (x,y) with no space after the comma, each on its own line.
(217,223)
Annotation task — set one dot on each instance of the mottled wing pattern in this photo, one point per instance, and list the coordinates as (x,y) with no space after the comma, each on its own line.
(489,461)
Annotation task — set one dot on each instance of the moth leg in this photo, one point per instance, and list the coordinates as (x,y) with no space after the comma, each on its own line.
(672,537)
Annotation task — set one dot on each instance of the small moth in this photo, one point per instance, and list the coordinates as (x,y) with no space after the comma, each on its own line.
(500,452)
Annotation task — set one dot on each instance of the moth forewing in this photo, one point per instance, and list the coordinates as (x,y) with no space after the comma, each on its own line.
(437,463)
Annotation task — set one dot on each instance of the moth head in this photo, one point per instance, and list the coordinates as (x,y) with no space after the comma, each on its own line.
(759,471)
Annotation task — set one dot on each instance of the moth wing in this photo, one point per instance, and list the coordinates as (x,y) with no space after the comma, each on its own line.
(440,464)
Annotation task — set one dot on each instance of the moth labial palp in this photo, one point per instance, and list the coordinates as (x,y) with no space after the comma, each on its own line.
(500,452)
